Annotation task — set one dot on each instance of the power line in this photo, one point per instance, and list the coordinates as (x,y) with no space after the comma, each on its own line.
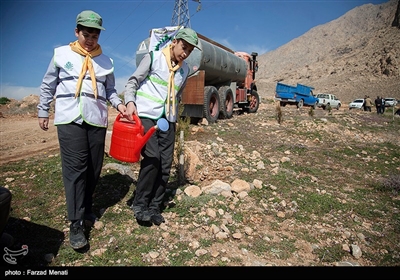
(111,33)
(134,30)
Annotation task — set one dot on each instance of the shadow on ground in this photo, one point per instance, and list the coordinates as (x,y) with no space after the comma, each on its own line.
(31,243)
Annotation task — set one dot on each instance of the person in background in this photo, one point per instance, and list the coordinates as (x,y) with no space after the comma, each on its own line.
(153,92)
(368,103)
(382,105)
(378,104)
(80,78)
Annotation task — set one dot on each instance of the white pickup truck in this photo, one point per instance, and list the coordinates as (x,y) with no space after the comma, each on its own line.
(325,99)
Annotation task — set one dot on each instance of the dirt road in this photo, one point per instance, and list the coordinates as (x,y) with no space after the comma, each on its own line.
(22,138)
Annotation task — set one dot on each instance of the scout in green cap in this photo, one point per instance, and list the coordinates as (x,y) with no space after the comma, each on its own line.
(189,35)
(90,19)
(80,78)
(153,92)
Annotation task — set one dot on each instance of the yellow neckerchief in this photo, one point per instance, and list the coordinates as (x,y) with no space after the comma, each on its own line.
(87,65)
(171,84)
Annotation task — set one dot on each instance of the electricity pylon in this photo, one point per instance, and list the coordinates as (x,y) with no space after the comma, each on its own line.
(180,15)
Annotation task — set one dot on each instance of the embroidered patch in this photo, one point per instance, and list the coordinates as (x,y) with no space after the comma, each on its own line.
(69,66)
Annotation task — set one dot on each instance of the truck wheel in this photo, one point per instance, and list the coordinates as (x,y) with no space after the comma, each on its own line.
(283,104)
(300,103)
(211,104)
(338,107)
(226,99)
(315,105)
(254,102)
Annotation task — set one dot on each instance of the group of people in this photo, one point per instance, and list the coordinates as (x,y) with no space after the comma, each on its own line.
(80,78)
(380,105)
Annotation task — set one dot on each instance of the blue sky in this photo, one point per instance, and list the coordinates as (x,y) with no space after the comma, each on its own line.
(31,29)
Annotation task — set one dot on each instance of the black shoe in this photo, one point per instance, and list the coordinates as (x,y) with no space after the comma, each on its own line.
(77,238)
(141,214)
(156,218)
(91,217)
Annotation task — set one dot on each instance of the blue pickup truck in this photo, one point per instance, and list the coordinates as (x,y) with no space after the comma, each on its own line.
(299,95)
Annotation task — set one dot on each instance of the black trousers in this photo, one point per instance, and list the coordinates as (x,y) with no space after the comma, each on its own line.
(82,155)
(155,166)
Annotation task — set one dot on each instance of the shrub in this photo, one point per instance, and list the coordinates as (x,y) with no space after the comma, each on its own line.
(4,100)
(279,115)
(311,112)
(392,183)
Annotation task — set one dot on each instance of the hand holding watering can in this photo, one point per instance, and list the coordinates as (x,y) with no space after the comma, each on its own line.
(128,137)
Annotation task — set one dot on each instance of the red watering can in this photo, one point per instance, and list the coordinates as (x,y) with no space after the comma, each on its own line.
(128,138)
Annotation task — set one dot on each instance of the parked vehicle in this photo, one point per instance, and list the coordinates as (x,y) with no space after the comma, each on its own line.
(220,80)
(390,102)
(295,95)
(327,99)
(356,104)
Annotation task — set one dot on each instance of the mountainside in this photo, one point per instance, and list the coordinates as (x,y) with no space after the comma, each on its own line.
(355,55)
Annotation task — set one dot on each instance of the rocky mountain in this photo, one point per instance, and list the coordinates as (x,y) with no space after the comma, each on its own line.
(355,55)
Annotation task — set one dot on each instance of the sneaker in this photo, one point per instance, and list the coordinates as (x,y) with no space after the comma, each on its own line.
(156,217)
(141,214)
(77,238)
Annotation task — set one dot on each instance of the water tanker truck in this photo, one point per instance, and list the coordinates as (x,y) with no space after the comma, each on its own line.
(220,80)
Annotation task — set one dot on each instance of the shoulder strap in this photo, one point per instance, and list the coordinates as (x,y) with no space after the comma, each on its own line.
(151,59)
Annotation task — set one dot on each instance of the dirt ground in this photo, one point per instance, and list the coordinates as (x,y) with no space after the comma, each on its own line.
(21,137)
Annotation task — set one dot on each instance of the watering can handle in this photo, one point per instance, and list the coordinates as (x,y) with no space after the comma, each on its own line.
(135,117)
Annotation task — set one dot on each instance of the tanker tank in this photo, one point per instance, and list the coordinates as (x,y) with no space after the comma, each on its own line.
(221,65)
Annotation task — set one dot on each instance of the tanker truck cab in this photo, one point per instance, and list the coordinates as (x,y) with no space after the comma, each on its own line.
(220,80)
(247,97)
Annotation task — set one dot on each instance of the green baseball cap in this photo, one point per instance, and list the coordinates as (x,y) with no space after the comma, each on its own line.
(189,35)
(90,19)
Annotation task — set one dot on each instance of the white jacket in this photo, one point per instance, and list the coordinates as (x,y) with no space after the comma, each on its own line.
(150,92)
(60,82)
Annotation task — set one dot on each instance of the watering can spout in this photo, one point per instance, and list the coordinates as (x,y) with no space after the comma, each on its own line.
(128,138)
(162,125)
(142,139)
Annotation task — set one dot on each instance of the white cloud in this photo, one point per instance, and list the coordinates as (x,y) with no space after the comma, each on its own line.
(18,92)
(120,83)
(249,48)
